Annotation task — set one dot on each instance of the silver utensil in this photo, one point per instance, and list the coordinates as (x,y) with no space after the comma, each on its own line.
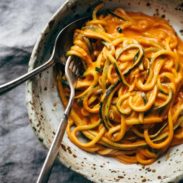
(72,70)
(62,43)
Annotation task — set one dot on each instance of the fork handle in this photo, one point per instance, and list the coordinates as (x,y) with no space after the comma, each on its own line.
(12,84)
(53,151)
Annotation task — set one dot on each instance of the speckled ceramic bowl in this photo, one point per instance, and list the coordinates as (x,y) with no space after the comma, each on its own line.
(45,109)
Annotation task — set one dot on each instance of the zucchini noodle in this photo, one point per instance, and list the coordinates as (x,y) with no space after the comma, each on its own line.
(129,100)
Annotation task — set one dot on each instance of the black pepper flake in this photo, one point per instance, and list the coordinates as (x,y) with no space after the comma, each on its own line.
(63,147)
(69,150)
(119,29)
(98,69)
(181,31)
(34,128)
(40,139)
(80,102)
(163,16)
(74,156)
(179,7)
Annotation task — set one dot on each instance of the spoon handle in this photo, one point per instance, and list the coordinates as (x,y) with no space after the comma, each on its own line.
(12,84)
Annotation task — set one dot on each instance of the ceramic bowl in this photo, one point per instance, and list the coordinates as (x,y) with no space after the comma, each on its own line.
(45,109)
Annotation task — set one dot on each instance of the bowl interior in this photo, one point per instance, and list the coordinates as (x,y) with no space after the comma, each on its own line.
(45,109)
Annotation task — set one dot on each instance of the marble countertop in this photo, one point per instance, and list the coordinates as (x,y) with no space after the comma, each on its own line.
(21,154)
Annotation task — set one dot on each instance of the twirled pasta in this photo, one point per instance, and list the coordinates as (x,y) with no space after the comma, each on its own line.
(129,100)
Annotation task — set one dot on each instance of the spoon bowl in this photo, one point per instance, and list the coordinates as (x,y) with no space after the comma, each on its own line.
(64,41)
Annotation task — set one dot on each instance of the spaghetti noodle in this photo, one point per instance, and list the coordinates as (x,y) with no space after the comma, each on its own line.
(129,100)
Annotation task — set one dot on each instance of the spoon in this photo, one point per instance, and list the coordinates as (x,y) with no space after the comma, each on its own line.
(62,43)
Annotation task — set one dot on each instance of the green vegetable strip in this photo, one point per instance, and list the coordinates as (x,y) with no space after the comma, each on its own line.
(104,74)
(137,60)
(98,69)
(144,97)
(115,15)
(105,105)
(136,56)
(114,62)
(141,135)
(170,95)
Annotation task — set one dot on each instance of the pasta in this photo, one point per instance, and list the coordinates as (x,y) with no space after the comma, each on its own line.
(129,100)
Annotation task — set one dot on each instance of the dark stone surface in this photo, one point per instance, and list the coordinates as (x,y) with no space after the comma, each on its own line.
(21,154)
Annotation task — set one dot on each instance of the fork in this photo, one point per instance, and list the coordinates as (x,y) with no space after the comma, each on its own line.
(72,73)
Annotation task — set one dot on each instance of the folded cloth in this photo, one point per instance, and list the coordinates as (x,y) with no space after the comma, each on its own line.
(21,154)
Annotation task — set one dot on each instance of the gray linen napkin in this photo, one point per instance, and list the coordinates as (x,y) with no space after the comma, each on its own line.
(21,154)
